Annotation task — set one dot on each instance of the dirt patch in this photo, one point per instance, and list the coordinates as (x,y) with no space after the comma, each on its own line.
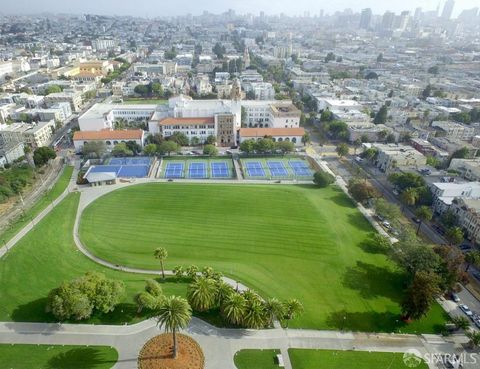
(157,353)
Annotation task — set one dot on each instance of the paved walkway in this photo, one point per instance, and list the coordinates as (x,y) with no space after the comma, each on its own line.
(219,345)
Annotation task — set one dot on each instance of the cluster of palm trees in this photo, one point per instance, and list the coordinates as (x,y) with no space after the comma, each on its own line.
(239,308)
(172,312)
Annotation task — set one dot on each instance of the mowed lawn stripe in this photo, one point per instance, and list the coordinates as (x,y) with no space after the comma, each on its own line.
(283,241)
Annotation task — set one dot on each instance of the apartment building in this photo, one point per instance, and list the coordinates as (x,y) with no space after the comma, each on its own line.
(35,134)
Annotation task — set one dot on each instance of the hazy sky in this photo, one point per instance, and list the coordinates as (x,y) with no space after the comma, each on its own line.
(153,8)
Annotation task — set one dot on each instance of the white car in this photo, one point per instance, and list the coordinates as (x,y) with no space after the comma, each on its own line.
(466,310)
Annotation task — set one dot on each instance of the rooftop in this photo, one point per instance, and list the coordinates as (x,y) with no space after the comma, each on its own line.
(133,134)
(175,121)
(261,132)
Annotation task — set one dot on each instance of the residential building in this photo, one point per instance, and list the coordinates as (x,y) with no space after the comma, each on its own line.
(398,156)
(455,130)
(444,193)
(467,213)
(73,98)
(468,168)
(11,152)
(35,134)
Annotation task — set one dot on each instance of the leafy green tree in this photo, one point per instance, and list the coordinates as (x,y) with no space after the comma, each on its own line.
(180,138)
(330,57)
(387,210)
(42,155)
(434,70)
(424,214)
(362,191)
(150,149)
(248,146)
(145,301)
(121,150)
(293,308)
(53,89)
(201,293)
(370,154)
(381,116)
(323,179)
(472,258)
(454,236)
(170,54)
(173,314)
(326,116)
(210,150)
(420,295)
(161,254)
(342,149)
(219,50)
(157,89)
(285,146)
(211,140)
(336,130)
(265,145)
(413,257)
(167,147)
(305,139)
(94,149)
(233,308)
(406,180)
(142,90)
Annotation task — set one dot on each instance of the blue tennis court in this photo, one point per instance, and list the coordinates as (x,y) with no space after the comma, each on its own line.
(219,170)
(141,160)
(254,169)
(300,168)
(197,170)
(128,171)
(174,170)
(277,168)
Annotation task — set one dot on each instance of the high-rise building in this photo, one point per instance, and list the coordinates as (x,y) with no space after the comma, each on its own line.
(366,18)
(448,9)
(387,20)
(418,13)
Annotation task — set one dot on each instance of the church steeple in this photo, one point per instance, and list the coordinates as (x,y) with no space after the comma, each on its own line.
(246,58)
(236,92)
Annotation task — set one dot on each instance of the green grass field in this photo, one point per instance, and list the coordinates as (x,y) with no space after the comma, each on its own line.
(256,359)
(140,101)
(329,359)
(38,207)
(283,241)
(57,357)
(46,257)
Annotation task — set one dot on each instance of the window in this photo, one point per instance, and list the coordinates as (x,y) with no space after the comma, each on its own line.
(108,143)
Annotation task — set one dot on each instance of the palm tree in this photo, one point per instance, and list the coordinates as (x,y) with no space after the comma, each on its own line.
(255,316)
(274,309)
(233,308)
(474,338)
(409,196)
(161,254)
(174,313)
(224,290)
(424,214)
(201,293)
(461,322)
(293,308)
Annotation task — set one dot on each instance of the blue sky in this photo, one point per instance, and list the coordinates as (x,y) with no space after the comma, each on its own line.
(178,7)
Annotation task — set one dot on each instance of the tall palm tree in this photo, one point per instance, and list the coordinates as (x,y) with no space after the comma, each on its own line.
(409,196)
(161,254)
(424,214)
(233,308)
(474,338)
(174,313)
(472,258)
(201,293)
(274,309)
(293,308)
(255,315)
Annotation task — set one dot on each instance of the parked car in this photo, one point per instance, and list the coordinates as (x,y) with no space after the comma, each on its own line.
(455,297)
(416,220)
(465,246)
(477,323)
(396,193)
(466,310)
(358,159)
(386,224)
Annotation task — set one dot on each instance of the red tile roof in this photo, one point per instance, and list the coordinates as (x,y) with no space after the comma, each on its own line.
(274,132)
(185,121)
(132,134)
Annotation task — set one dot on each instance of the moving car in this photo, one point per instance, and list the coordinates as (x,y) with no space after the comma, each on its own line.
(466,310)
